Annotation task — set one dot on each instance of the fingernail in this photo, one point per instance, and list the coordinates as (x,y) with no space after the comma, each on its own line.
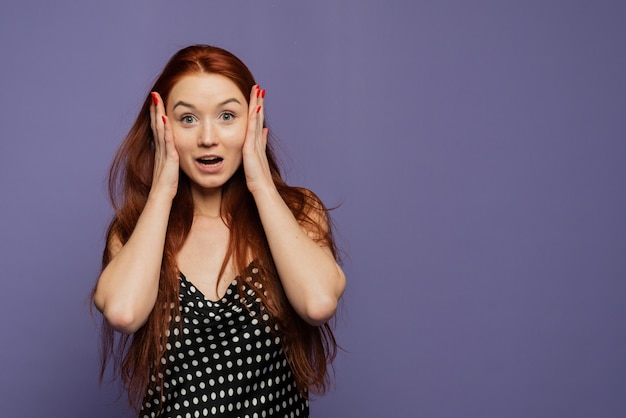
(155,99)
(258,91)
(258,109)
(163,118)
(263,94)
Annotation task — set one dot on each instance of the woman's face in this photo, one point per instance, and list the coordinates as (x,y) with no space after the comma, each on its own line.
(209,119)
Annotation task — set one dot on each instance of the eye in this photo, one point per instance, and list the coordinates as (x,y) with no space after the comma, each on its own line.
(227,116)
(187,119)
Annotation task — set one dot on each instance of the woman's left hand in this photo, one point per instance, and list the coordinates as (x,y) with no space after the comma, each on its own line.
(255,164)
(307,269)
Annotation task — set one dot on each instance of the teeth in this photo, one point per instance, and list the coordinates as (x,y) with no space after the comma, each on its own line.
(210,160)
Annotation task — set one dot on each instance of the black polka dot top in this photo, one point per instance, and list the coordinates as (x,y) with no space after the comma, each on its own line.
(224,360)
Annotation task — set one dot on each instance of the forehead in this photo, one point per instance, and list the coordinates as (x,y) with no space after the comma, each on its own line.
(211,87)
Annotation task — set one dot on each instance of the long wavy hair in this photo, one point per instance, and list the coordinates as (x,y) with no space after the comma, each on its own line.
(310,350)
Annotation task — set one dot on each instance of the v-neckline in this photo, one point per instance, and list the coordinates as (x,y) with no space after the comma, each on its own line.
(221,298)
(233,283)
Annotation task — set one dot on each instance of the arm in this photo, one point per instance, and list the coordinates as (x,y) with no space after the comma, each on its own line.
(309,274)
(127,287)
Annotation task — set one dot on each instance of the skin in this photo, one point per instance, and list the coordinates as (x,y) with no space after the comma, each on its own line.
(207,115)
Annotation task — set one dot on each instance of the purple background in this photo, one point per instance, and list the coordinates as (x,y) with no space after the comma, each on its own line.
(477,149)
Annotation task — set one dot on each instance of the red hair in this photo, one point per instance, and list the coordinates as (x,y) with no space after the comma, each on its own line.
(310,350)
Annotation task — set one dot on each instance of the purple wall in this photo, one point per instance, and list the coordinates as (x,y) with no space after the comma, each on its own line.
(478,152)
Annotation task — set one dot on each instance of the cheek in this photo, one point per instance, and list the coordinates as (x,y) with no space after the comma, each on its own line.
(180,139)
(243,131)
(237,137)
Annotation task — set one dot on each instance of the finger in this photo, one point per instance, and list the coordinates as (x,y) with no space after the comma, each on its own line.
(260,113)
(156,119)
(252,126)
(255,93)
(152,111)
(266,132)
(168,136)
(259,123)
(259,99)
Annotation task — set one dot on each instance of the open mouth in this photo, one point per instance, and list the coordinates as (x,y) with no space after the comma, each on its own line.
(210,160)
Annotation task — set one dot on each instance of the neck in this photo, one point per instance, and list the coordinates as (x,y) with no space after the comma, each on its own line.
(207,202)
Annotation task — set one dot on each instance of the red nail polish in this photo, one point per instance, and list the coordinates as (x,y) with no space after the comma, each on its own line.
(263,94)
(258,92)
(163,118)
(258,109)
(155,99)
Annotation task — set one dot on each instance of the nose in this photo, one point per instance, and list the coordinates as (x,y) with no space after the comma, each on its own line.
(206,136)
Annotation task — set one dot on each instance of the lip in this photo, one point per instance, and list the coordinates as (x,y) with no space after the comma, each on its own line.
(209,169)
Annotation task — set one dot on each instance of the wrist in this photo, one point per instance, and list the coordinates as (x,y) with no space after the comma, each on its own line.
(160,197)
(265,194)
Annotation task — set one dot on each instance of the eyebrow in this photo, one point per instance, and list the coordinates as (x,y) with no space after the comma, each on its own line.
(189,105)
(181,103)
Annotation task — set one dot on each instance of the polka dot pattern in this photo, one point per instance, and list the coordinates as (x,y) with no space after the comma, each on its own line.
(223,360)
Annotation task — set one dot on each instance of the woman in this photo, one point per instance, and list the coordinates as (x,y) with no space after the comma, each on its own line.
(220,277)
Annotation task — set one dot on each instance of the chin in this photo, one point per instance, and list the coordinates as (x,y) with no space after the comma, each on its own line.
(208,186)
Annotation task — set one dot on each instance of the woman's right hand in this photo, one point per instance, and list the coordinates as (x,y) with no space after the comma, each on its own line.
(166,167)
(128,286)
